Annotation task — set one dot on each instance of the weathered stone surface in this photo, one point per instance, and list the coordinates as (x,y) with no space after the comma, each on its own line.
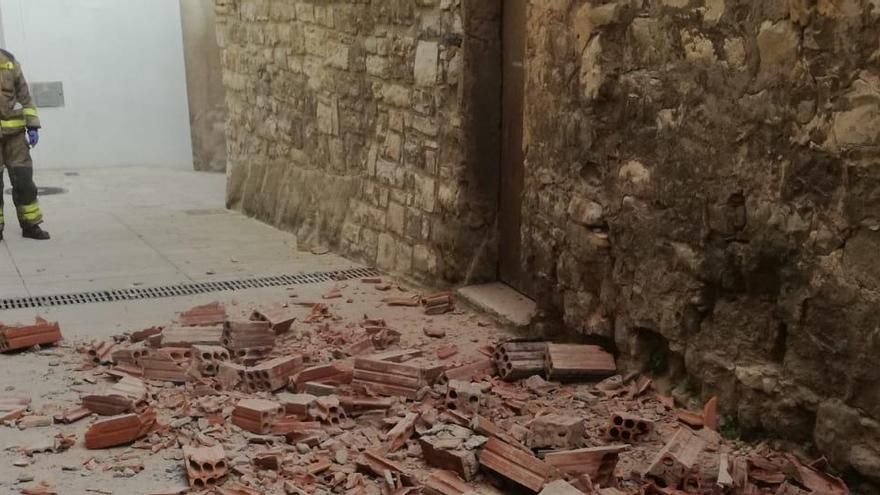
(351,122)
(726,152)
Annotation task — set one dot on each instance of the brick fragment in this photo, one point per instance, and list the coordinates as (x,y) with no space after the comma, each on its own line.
(443,482)
(463,396)
(331,374)
(13,338)
(391,379)
(402,431)
(72,415)
(119,430)
(206,315)
(555,431)
(271,375)
(297,404)
(471,371)
(142,335)
(240,337)
(447,351)
(280,317)
(515,360)
(101,351)
(438,303)
(328,410)
(394,475)
(597,463)
(256,415)
(188,336)
(578,362)
(515,465)
(167,364)
(676,459)
(627,428)
(710,414)
(130,356)
(448,452)
(205,466)
(121,398)
(12,408)
(207,358)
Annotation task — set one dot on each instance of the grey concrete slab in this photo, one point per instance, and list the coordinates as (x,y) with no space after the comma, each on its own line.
(138,227)
(501,301)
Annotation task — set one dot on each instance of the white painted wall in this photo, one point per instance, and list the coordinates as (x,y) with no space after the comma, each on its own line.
(121,62)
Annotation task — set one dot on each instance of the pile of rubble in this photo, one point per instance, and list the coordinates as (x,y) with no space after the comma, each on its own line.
(291,399)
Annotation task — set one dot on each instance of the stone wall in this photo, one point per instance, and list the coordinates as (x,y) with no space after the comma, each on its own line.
(703,188)
(354,123)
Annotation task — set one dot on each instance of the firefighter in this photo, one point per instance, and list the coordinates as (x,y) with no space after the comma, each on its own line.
(19,126)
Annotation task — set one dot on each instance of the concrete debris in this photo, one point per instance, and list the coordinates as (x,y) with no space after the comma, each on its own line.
(250,406)
(18,337)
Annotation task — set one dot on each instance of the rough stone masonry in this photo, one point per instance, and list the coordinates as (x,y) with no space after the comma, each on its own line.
(702,181)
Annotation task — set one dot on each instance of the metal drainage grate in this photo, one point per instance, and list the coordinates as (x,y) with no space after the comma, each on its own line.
(43,191)
(135,294)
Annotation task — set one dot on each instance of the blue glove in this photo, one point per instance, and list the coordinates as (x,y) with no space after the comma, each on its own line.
(33,136)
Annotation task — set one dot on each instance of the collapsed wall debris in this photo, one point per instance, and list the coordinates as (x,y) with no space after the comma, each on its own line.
(387,417)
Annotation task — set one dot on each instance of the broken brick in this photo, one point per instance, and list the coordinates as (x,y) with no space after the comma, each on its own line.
(167,364)
(401,432)
(142,335)
(296,404)
(207,358)
(280,317)
(555,431)
(242,336)
(256,415)
(676,459)
(471,371)
(273,374)
(574,362)
(206,315)
(119,430)
(12,408)
(188,336)
(121,398)
(205,466)
(627,428)
(101,352)
(463,396)
(333,374)
(387,378)
(598,463)
(72,415)
(516,360)
(515,465)
(13,338)
(443,482)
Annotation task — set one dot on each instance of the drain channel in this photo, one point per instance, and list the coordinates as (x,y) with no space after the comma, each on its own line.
(138,293)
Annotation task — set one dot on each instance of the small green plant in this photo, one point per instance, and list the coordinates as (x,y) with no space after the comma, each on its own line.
(729,428)
(658,364)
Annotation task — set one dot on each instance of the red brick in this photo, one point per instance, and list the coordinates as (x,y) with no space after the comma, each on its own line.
(515,465)
(574,362)
(208,314)
(119,430)
(280,317)
(42,332)
(205,466)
